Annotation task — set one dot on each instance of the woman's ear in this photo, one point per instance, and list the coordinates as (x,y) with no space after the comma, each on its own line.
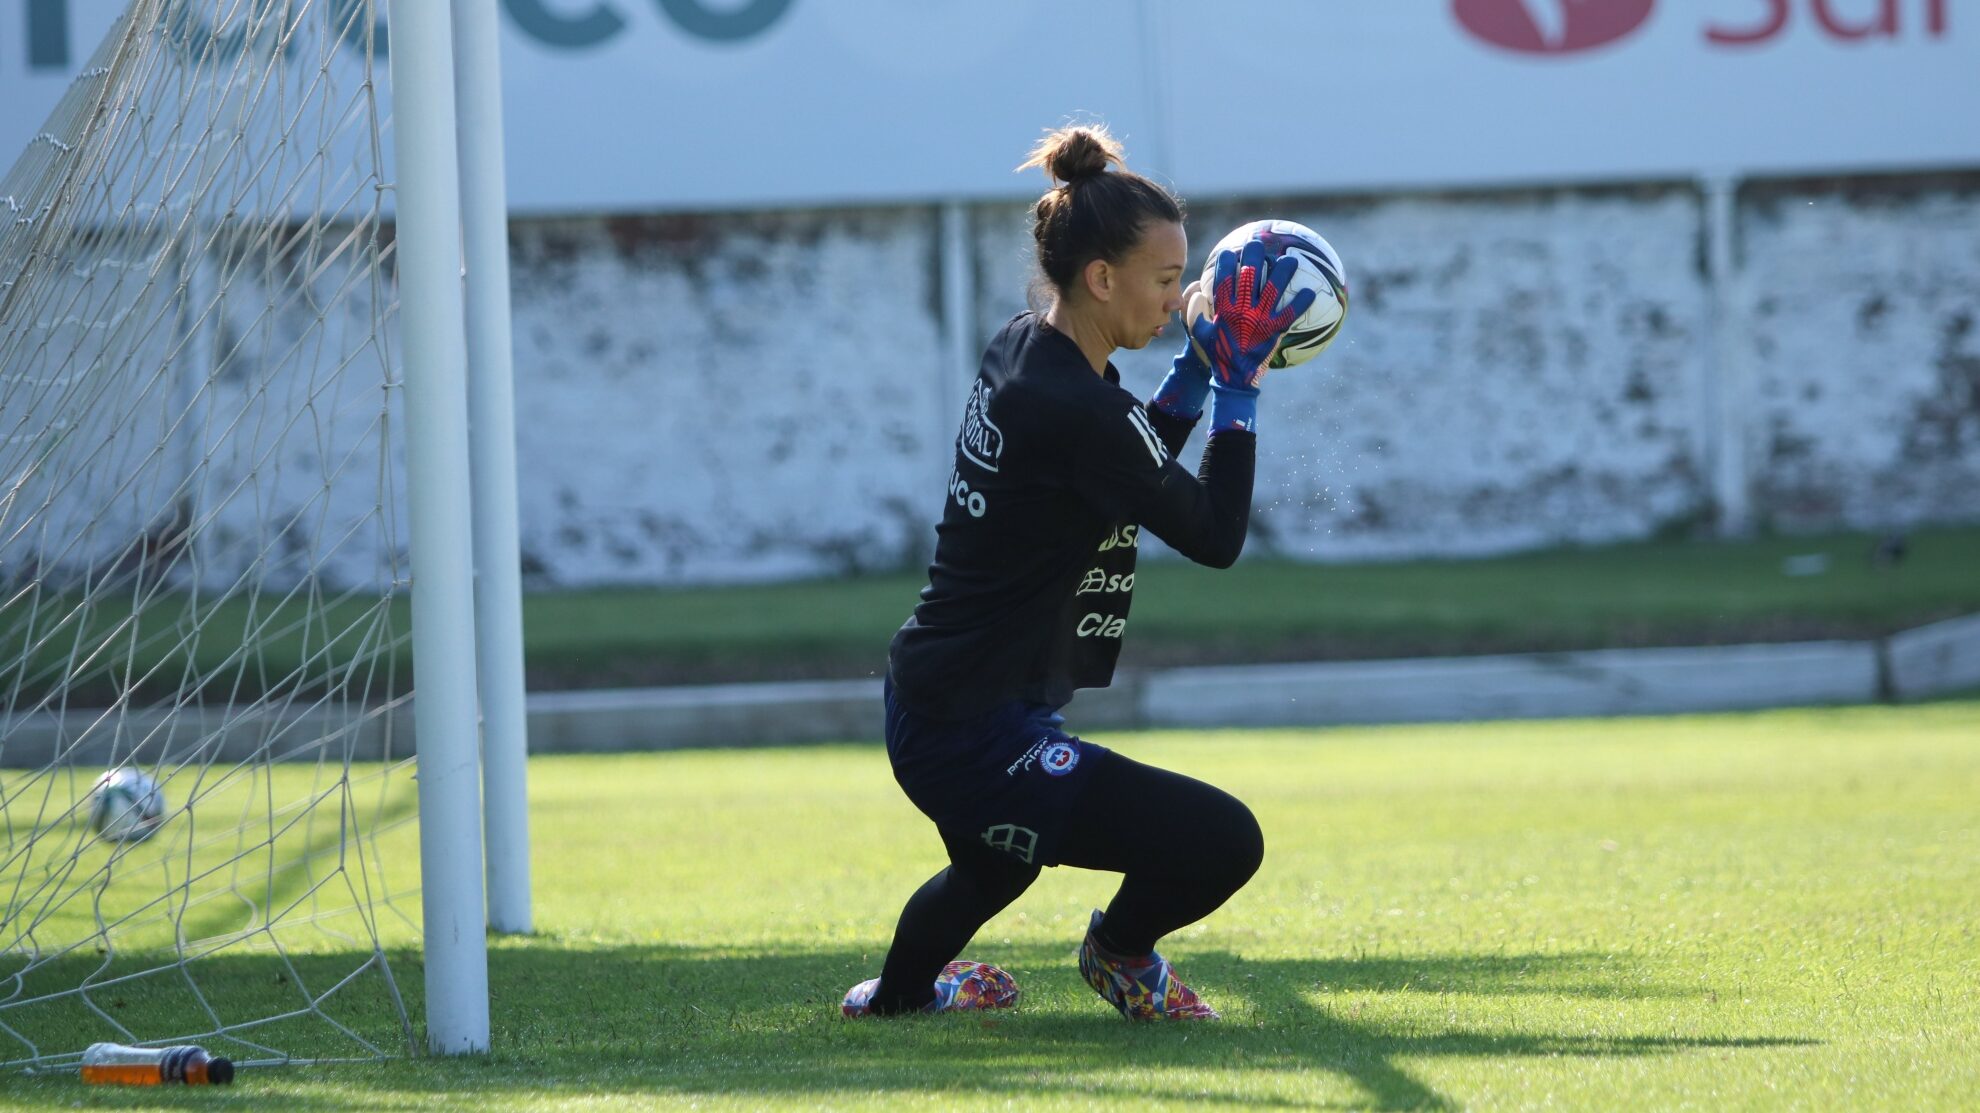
(1099,276)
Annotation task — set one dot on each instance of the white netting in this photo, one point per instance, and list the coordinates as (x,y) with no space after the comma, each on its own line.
(200,545)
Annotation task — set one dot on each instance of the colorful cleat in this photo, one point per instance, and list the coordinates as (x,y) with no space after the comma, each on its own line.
(961,986)
(1141,988)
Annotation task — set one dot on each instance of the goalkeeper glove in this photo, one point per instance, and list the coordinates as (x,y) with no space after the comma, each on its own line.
(1187,385)
(1241,337)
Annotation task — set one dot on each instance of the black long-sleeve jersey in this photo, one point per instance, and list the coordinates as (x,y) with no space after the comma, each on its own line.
(1057,472)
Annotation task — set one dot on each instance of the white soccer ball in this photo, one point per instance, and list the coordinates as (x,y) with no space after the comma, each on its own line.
(1320,270)
(125,805)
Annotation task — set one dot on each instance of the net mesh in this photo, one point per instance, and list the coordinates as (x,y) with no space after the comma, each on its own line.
(201,546)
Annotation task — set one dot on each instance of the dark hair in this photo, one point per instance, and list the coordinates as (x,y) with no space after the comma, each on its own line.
(1097,213)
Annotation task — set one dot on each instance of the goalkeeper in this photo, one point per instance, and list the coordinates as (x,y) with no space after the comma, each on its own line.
(1058,470)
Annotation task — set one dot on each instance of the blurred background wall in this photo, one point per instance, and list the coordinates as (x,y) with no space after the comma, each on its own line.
(1619,269)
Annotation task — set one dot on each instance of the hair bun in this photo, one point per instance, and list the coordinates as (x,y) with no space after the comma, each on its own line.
(1070,154)
(1095,215)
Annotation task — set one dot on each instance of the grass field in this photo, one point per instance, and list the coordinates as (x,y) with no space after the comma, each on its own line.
(1652,593)
(1777,910)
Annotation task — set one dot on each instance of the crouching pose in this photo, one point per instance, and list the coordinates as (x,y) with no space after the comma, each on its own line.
(1058,470)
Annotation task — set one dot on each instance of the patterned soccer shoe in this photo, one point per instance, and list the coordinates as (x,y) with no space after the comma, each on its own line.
(961,986)
(1141,988)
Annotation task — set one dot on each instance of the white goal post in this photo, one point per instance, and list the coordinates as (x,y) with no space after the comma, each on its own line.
(239,488)
(444,171)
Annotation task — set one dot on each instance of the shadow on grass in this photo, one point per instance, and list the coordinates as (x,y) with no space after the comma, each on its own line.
(710,1022)
(659,1020)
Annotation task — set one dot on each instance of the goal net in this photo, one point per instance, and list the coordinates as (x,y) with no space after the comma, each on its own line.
(202,565)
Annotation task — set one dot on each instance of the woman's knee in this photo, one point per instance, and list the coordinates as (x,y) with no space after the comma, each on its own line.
(995,878)
(1228,844)
(1246,842)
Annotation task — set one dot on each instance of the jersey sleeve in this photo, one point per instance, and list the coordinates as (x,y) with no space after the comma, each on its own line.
(1174,431)
(1126,470)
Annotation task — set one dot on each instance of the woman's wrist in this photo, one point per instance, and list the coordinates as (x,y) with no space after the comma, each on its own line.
(1232,408)
(1186,387)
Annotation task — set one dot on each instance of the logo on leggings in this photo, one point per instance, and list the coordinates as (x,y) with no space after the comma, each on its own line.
(1059,758)
(1021,842)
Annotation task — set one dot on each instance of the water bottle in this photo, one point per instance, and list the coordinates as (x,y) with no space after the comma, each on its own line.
(151,1066)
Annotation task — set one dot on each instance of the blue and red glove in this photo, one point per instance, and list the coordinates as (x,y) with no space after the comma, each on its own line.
(1187,385)
(1240,338)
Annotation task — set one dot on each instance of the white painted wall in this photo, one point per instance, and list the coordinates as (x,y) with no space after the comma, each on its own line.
(1515,372)
(743,398)
(734,397)
(748,397)
(1865,346)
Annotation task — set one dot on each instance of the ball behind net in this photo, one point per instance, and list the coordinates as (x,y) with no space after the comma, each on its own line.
(125,805)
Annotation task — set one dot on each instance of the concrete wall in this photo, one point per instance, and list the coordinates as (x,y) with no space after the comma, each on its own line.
(757,396)
(727,398)
(1864,315)
(1515,371)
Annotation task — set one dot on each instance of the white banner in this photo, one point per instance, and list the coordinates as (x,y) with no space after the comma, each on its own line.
(637,105)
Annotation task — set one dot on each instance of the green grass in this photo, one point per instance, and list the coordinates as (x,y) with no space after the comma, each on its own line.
(1662,593)
(254,874)
(1775,910)
(1656,593)
(275,833)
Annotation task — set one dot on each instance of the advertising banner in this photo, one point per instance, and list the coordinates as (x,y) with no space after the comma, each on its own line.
(640,105)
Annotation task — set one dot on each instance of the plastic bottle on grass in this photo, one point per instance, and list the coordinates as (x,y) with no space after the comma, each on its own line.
(119,1064)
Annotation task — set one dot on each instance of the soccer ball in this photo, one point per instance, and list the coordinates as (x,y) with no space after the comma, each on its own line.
(1320,270)
(125,806)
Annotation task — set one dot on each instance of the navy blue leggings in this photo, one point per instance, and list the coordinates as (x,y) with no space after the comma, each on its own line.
(1182,846)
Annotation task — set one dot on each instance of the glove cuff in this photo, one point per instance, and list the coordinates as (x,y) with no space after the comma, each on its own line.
(1232,408)
(1181,395)
(1186,387)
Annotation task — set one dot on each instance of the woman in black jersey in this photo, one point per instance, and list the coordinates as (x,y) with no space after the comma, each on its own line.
(1058,470)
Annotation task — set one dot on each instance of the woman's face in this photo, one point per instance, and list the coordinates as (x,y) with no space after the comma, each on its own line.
(1145,287)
